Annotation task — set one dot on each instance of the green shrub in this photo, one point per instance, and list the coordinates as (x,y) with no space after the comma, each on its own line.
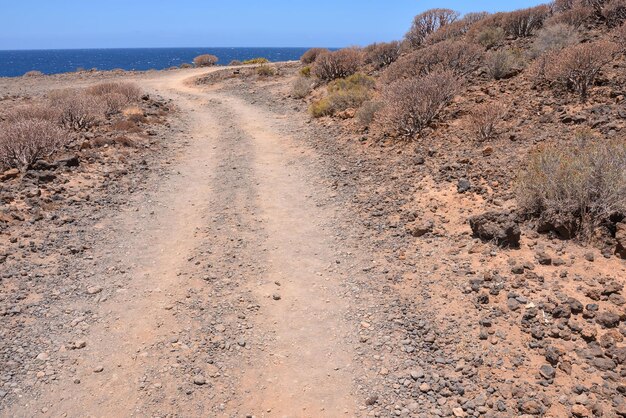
(344,94)
(554,38)
(256,61)
(579,185)
(305,71)
(503,63)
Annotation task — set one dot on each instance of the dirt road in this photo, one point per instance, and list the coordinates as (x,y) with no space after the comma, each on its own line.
(233,299)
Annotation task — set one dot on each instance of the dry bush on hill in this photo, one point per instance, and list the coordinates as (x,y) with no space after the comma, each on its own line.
(24,141)
(33,111)
(367,113)
(265,70)
(620,38)
(311,55)
(428,22)
(554,38)
(206,60)
(301,87)
(580,185)
(78,110)
(456,29)
(33,73)
(484,119)
(525,22)
(614,11)
(382,54)
(412,104)
(130,91)
(503,63)
(577,67)
(490,37)
(573,13)
(338,64)
(458,56)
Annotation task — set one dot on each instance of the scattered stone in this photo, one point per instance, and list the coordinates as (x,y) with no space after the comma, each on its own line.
(98,369)
(199,381)
(608,319)
(276,296)
(501,228)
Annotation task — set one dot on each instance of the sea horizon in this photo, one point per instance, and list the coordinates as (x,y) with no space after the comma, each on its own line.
(17,62)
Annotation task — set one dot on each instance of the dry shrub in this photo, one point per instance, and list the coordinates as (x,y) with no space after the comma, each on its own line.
(503,63)
(33,111)
(301,87)
(428,22)
(78,110)
(573,13)
(554,38)
(24,141)
(206,60)
(33,73)
(367,113)
(344,94)
(490,36)
(311,55)
(130,91)
(523,23)
(186,65)
(265,70)
(620,37)
(122,140)
(382,54)
(305,71)
(338,64)
(412,104)
(583,183)
(458,56)
(614,11)
(577,67)
(126,125)
(483,120)
(456,29)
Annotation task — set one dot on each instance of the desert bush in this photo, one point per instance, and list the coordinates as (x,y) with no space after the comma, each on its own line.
(367,112)
(338,64)
(265,70)
(573,13)
(346,93)
(583,183)
(311,55)
(554,38)
(305,71)
(130,91)
(577,67)
(620,38)
(78,110)
(503,63)
(428,22)
(458,56)
(114,102)
(206,60)
(490,36)
(33,111)
(185,65)
(456,29)
(301,87)
(234,63)
(412,104)
(614,12)
(254,61)
(24,141)
(484,119)
(382,54)
(523,23)
(33,73)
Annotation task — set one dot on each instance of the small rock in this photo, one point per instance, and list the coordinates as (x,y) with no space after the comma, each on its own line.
(199,380)
(276,296)
(98,369)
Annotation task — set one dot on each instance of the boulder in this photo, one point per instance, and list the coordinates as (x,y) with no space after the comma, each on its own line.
(620,237)
(499,227)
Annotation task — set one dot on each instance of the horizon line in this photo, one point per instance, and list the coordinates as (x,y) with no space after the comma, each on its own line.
(168,47)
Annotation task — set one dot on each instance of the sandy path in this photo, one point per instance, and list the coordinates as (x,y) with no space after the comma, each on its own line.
(239,168)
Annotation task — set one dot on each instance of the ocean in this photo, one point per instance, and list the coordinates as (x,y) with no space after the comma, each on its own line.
(16,63)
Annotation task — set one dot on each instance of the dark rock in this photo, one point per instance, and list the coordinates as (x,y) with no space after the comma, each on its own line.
(502,228)
(463,185)
(620,238)
(547,371)
(608,319)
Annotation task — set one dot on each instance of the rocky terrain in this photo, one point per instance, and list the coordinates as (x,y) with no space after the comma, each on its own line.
(235,257)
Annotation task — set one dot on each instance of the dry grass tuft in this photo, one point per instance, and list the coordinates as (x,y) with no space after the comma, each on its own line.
(484,119)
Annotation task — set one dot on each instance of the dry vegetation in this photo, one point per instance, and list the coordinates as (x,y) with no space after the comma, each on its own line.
(38,130)
(206,60)
(564,46)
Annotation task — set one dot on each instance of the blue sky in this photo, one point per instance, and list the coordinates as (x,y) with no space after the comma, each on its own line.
(44,24)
